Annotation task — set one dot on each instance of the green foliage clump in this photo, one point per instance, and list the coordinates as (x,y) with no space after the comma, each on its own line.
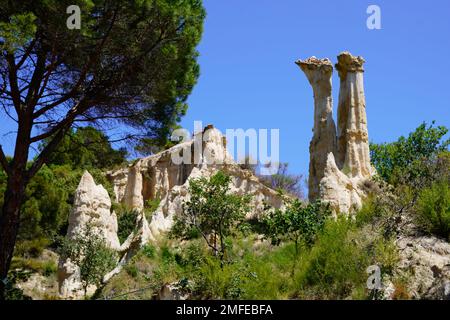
(89,251)
(335,266)
(418,168)
(87,148)
(149,251)
(46,209)
(126,222)
(212,211)
(297,222)
(150,207)
(11,290)
(407,161)
(16,32)
(433,209)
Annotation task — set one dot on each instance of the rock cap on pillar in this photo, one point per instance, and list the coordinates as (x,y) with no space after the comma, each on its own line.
(314,64)
(349,63)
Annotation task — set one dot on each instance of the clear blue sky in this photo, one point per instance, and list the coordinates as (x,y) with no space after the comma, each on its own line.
(249,79)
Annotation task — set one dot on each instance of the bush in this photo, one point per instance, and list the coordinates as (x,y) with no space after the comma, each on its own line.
(150,207)
(149,251)
(132,270)
(89,251)
(335,266)
(126,222)
(433,209)
(297,222)
(31,248)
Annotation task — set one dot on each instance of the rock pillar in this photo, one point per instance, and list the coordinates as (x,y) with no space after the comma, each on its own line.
(318,73)
(352,136)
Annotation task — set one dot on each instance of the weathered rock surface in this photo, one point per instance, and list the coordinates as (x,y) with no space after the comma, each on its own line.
(353,139)
(173,291)
(159,177)
(424,262)
(93,205)
(339,161)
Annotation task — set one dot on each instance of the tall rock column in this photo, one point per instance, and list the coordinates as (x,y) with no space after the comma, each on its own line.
(318,73)
(92,205)
(353,141)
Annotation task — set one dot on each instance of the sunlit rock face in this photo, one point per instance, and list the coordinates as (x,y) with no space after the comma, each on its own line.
(353,138)
(339,160)
(163,177)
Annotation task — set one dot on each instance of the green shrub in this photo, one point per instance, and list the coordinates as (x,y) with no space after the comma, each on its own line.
(433,209)
(409,160)
(297,222)
(149,251)
(132,270)
(150,207)
(334,268)
(49,268)
(385,255)
(126,222)
(166,254)
(90,252)
(11,290)
(31,248)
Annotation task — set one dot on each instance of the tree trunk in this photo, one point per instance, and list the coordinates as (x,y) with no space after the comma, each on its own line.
(9,224)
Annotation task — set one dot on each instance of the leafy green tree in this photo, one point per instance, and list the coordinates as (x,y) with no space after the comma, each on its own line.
(299,222)
(410,160)
(131,66)
(212,211)
(46,208)
(89,251)
(87,148)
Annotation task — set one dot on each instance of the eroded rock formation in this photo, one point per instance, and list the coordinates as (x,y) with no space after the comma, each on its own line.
(319,72)
(91,205)
(158,177)
(353,139)
(339,161)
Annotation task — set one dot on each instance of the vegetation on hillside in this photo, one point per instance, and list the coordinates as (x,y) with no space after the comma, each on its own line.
(418,169)
(298,252)
(330,256)
(126,65)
